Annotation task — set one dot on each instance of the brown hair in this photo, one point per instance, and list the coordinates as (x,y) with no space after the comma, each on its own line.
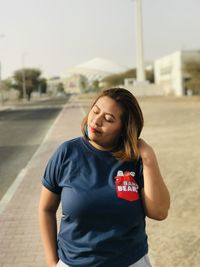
(132,123)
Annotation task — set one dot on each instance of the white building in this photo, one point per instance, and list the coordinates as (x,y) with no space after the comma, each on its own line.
(52,85)
(72,84)
(169,71)
(75,83)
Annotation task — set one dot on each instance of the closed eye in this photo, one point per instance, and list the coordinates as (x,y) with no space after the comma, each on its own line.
(95,110)
(109,119)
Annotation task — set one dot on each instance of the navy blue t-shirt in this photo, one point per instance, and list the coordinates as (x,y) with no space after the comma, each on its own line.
(103,220)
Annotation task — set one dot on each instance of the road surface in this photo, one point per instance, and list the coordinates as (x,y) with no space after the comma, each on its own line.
(22,129)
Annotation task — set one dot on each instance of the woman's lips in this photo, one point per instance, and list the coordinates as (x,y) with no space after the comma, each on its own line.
(93,130)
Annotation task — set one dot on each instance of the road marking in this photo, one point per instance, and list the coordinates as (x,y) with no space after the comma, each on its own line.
(14,186)
(12,189)
(16,183)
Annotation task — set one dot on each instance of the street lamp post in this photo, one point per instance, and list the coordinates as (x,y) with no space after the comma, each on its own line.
(1,89)
(23,77)
(139,42)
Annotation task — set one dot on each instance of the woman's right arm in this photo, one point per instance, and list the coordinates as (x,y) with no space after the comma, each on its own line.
(48,206)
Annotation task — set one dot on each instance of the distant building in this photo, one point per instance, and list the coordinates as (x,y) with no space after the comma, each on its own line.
(170,74)
(129,82)
(52,85)
(76,83)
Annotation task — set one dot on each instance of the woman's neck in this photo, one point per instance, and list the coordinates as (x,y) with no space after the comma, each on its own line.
(100,147)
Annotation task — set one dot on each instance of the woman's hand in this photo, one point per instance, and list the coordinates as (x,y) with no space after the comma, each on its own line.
(155,194)
(146,151)
(48,206)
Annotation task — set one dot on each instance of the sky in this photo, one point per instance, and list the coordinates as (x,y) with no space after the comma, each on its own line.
(56,35)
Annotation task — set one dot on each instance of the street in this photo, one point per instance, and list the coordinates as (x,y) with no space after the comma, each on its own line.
(22,130)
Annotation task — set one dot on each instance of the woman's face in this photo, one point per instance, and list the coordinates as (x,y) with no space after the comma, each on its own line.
(104,123)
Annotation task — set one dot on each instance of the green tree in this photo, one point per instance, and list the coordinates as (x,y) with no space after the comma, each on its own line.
(192,76)
(6,84)
(43,85)
(118,79)
(95,86)
(83,85)
(60,87)
(32,81)
(150,75)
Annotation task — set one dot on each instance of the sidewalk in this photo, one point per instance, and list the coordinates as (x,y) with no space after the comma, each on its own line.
(20,244)
(20,102)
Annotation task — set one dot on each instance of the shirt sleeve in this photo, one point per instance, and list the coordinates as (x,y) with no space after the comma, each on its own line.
(52,174)
(139,173)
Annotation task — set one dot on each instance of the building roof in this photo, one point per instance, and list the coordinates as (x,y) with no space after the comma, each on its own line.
(97,69)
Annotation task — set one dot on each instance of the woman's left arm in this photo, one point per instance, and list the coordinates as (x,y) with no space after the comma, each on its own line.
(155,194)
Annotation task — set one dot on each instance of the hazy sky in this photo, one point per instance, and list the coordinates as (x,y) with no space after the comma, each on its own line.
(59,34)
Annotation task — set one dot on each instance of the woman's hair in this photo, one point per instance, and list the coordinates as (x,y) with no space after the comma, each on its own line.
(132,123)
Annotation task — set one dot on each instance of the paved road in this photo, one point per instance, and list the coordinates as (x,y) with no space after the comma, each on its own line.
(22,129)
(20,244)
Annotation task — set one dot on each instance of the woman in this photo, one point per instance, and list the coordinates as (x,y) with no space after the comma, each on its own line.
(107,181)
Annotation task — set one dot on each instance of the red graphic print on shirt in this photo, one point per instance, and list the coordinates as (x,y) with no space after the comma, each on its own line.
(126,186)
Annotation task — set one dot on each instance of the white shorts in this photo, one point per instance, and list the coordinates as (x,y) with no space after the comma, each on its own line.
(143,262)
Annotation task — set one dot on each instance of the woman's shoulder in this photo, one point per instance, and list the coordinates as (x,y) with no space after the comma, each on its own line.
(71,143)
(66,148)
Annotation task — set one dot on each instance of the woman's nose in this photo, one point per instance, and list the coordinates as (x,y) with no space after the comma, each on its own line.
(97,120)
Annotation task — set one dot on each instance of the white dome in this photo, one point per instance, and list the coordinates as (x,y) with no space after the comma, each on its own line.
(97,69)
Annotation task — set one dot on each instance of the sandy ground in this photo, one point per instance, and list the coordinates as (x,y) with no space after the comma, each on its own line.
(172,127)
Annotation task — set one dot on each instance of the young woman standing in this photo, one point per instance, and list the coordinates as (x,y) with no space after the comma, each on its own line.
(107,181)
